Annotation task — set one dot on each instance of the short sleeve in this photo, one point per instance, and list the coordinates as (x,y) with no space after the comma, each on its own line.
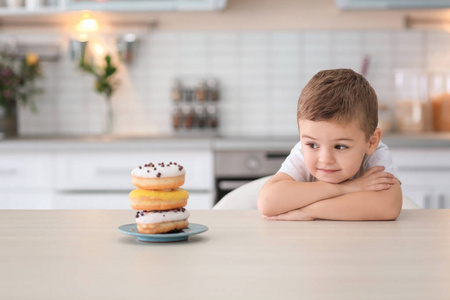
(294,165)
(381,157)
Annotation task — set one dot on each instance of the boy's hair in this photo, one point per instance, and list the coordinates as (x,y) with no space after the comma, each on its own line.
(340,95)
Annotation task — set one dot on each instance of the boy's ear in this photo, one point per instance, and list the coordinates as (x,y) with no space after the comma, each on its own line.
(373,141)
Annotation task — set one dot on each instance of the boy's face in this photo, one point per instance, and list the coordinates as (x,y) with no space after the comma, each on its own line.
(333,152)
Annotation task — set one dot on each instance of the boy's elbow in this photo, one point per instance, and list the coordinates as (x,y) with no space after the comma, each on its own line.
(264,206)
(391,214)
(393,208)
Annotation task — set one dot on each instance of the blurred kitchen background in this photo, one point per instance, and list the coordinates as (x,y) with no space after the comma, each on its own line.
(215,83)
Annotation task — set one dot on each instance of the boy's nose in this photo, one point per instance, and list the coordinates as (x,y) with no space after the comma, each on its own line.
(326,157)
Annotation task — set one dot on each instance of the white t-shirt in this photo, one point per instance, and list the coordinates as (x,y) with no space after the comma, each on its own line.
(294,165)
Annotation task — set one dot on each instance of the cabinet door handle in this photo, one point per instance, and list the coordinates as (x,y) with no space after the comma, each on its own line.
(114,172)
(441,201)
(427,202)
(8,172)
(424,168)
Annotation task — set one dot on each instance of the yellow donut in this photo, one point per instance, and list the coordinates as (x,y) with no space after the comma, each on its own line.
(158,199)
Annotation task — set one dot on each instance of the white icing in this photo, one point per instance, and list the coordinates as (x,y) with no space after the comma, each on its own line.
(163,216)
(166,171)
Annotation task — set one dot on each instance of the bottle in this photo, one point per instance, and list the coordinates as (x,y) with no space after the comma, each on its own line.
(213,90)
(200,91)
(385,118)
(439,95)
(177,90)
(412,109)
(176,118)
(212,116)
(188,116)
(200,116)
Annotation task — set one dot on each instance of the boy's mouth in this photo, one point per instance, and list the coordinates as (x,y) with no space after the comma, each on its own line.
(328,171)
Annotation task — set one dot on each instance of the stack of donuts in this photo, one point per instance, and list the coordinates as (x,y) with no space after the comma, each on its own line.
(158,199)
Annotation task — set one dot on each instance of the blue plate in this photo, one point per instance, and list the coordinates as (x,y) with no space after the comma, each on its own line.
(180,235)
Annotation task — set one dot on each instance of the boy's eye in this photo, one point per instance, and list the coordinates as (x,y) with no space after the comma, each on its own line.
(312,145)
(340,147)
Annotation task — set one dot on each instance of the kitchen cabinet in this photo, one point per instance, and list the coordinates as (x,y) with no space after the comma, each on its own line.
(425,175)
(32,7)
(25,180)
(102,179)
(41,7)
(96,175)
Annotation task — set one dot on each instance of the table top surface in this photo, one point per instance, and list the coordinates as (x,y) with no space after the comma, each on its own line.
(82,255)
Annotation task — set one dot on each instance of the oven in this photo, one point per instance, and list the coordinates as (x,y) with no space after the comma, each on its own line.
(234,168)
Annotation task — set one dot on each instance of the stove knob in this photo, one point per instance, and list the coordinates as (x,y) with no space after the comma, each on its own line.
(253,163)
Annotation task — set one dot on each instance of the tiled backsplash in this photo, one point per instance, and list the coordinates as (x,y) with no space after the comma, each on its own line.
(261,74)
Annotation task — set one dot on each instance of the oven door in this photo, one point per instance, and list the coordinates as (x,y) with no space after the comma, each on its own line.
(224,185)
(234,168)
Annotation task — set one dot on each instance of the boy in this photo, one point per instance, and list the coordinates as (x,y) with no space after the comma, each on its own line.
(339,170)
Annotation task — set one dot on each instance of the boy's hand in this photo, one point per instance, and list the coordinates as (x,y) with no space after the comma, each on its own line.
(373,179)
(293,215)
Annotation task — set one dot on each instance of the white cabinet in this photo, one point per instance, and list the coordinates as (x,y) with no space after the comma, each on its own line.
(32,7)
(111,170)
(25,180)
(25,171)
(86,176)
(425,175)
(102,179)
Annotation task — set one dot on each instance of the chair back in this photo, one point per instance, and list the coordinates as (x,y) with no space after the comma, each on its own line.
(245,197)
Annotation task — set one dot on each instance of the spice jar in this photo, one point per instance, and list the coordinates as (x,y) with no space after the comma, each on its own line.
(200,116)
(412,109)
(212,116)
(213,90)
(177,90)
(188,116)
(200,91)
(176,118)
(439,95)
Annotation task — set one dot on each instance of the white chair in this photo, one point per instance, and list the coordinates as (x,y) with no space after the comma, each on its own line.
(244,197)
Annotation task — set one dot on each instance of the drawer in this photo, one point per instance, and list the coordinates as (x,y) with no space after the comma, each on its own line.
(424,166)
(111,171)
(421,159)
(22,171)
(25,200)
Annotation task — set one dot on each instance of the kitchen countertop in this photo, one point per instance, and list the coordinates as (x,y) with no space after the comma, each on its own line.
(71,254)
(198,142)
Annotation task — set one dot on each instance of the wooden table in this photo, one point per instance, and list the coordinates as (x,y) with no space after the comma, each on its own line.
(82,255)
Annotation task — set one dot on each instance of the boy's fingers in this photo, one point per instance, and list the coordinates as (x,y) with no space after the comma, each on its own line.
(377,168)
(374,170)
(381,187)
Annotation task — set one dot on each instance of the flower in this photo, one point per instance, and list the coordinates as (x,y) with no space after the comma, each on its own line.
(32,59)
(18,79)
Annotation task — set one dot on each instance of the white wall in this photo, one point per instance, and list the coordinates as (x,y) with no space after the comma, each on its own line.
(262,53)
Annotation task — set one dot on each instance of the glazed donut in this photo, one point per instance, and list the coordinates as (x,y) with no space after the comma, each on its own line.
(158,177)
(154,222)
(158,199)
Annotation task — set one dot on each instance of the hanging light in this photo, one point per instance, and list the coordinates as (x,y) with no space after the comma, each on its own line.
(87,24)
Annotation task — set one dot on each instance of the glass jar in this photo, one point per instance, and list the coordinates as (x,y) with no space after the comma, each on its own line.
(213,89)
(385,118)
(200,91)
(177,90)
(177,117)
(439,95)
(412,109)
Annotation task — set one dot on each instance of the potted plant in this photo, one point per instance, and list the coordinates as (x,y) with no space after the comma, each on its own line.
(17,85)
(105,84)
